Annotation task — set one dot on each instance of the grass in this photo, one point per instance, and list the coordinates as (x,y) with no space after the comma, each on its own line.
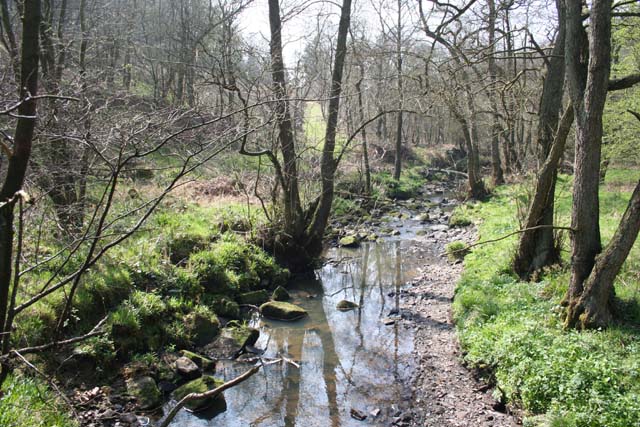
(28,402)
(513,331)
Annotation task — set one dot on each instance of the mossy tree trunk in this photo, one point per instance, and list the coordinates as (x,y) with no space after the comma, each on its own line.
(588,62)
(299,242)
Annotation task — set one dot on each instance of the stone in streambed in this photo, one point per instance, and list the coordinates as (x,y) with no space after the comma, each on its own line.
(349,242)
(345,305)
(145,391)
(279,310)
(201,361)
(187,368)
(280,294)
(201,385)
(254,297)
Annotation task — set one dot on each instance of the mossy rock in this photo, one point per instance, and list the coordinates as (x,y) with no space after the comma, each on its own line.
(349,242)
(345,305)
(222,306)
(279,310)
(254,297)
(200,385)
(203,363)
(280,294)
(204,327)
(145,391)
(232,340)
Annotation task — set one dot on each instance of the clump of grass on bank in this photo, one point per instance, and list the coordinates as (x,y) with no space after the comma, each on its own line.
(29,402)
(513,332)
(409,185)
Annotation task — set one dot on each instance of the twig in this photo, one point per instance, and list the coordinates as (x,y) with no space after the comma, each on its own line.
(48,380)
(211,393)
(466,248)
(93,333)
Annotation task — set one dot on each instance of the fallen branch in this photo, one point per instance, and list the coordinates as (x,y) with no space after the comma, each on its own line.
(555,227)
(211,393)
(96,331)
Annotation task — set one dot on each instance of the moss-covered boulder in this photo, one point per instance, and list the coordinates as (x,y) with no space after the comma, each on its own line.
(254,297)
(279,310)
(203,363)
(202,324)
(145,391)
(345,305)
(349,242)
(223,306)
(232,340)
(201,385)
(280,294)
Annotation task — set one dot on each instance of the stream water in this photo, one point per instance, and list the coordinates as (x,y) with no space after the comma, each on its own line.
(360,359)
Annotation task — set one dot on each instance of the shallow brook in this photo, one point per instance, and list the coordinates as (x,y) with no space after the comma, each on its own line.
(360,359)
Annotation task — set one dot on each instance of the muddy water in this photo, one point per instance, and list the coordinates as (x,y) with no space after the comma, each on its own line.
(359,359)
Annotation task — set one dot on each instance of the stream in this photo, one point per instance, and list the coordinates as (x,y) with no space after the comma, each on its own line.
(360,359)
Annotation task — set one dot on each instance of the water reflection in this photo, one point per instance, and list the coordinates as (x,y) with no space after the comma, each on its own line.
(347,359)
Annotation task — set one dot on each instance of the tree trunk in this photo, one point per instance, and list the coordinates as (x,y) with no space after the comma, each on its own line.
(328,165)
(18,161)
(588,88)
(397,170)
(365,148)
(496,163)
(536,248)
(592,308)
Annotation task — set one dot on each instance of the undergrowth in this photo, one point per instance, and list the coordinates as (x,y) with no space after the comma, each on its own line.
(513,332)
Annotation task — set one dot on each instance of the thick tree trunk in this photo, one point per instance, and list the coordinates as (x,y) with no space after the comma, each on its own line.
(588,88)
(19,160)
(536,247)
(592,308)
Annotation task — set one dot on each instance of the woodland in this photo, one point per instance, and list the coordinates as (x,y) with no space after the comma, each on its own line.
(169,170)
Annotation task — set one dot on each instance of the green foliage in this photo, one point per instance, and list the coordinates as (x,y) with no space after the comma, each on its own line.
(460,217)
(514,330)
(409,185)
(233,265)
(342,207)
(28,402)
(456,250)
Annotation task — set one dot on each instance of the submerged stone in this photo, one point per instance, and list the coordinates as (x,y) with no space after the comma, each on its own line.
(201,385)
(279,310)
(280,294)
(345,305)
(145,391)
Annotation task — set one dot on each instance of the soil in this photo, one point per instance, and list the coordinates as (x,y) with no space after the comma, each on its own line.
(445,392)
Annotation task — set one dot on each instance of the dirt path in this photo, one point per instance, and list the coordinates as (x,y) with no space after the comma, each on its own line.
(445,393)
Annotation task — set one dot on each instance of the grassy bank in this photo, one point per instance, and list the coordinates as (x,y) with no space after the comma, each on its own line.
(512,331)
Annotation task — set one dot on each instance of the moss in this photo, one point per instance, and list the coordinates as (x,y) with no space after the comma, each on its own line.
(456,250)
(349,242)
(222,306)
(202,362)
(200,385)
(145,391)
(345,305)
(182,245)
(279,310)
(202,324)
(254,297)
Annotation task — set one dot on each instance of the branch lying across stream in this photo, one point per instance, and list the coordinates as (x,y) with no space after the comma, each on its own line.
(211,393)
(506,236)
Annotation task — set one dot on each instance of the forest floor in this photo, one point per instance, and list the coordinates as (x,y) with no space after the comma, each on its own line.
(445,392)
